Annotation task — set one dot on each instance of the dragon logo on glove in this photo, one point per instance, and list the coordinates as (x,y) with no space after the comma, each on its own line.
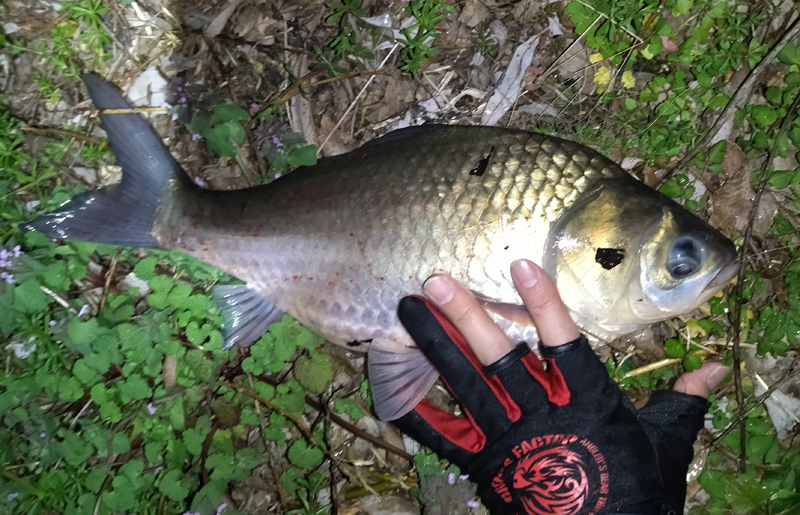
(553,475)
(552,481)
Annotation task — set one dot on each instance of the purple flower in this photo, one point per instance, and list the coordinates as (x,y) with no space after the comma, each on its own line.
(179,88)
(42,435)
(13,496)
(277,142)
(463,477)
(278,175)
(52,323)
(17,251)
(166,105)
(151,409)
(174,116)
(84,310)
(7,277)
(221,507)
(200,182)
(182,100)
(473,504)
(196,137)
(451,478)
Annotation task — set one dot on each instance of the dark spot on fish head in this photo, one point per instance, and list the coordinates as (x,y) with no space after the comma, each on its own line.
(609,258)
(482,165)
(505,248)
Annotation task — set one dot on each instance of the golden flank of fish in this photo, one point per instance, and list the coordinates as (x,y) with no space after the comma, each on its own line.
(336,245)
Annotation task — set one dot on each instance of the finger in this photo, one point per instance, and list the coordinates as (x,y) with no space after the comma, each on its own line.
(459,305)
(541,297)
(702,381)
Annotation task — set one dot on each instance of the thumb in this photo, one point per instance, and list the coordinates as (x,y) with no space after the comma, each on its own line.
(700,382)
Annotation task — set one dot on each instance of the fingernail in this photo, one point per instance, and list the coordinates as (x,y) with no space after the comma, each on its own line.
(717,376)
(525,273)
(439,289)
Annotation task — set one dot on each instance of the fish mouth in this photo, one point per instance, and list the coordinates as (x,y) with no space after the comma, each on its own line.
(723,277)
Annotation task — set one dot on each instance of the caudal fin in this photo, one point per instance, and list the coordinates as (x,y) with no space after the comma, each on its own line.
(122,214)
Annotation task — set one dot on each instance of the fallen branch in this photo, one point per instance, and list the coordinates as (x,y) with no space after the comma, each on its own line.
(739,289)
(377,442)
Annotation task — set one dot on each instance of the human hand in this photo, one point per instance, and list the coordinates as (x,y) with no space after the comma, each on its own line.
(560,441)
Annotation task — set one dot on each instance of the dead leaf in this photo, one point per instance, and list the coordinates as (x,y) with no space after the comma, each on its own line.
(169,371)
(473,13)
(732,202)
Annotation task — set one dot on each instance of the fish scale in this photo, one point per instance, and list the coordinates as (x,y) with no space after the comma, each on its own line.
(338,244)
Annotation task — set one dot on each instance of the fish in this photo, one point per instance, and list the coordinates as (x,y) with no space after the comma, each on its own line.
(338,244)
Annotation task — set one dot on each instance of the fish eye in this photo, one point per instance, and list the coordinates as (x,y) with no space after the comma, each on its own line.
(685,257)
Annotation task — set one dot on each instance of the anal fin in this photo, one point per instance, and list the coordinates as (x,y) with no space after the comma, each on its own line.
(246,315)
(400,377)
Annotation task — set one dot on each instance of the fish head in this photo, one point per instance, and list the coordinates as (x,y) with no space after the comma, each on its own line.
(625,256)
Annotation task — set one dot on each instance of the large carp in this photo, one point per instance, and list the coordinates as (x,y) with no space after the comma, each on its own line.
(336,245)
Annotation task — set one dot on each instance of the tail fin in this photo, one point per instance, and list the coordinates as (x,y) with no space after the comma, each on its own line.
(122,214)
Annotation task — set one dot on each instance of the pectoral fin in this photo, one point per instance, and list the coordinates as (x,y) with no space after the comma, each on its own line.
(246,315)
(515,313)
(400,377)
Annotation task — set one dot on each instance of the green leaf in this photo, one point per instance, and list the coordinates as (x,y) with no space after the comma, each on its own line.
(303,156)
(170,485)
(83,333)
(717,101)
(783,178)
(764,115)
(303,455)
(716,154)
(789,54)
(134,388)
(349,407)
(228,112)
(630,104)
(97,476)
(672,189)
(774,96)
(76,451)
(313,372)
(30,298)
(674,348)
(789,505)
(120,443)
(682,7)
(692,362)
(792,79)
(69,389)
(146,268)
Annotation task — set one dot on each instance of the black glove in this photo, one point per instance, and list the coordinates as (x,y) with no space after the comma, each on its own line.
(560,441)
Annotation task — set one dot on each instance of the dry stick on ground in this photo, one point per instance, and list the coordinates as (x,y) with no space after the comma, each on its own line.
(739,291)
(739,98)
(348,426)
(66,134)
(761,400)
(109,276)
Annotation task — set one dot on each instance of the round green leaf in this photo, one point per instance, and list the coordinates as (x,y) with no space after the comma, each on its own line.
(674,348)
